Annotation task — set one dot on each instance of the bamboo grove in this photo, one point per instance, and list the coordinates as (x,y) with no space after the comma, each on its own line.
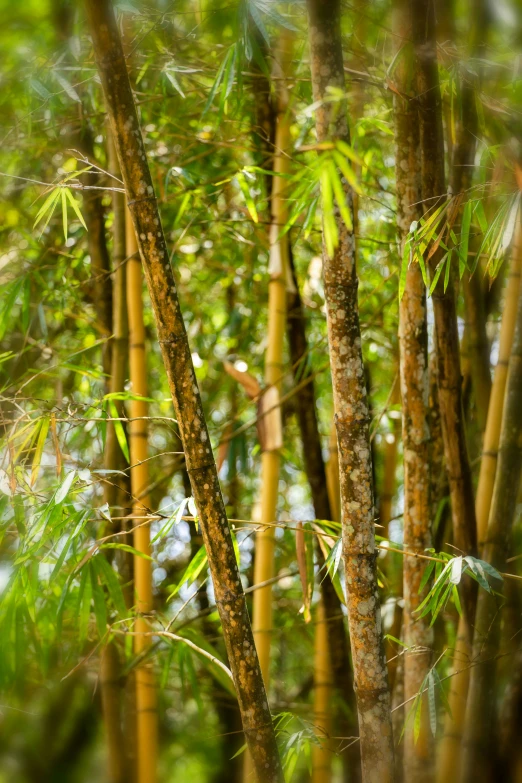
(261,391)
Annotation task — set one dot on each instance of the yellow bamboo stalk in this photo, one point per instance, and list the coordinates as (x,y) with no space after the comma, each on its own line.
(449,760)
(322,753)
(146,707)
(111,680)
(271,456)
(488,464)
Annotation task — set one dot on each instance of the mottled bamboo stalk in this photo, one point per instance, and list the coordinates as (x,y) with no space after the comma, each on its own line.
(352,422)
(317,478)
(201,467)
(413,342)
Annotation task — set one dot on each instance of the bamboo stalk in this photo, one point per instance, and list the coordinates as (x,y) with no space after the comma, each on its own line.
(451,745)
(110,688)
(443,297)
(488,464)
(323,692)
(110,673)
(478,746)
(414,379)
(201,467)
(352,421)
(146,706)
(271,448)
(317,478)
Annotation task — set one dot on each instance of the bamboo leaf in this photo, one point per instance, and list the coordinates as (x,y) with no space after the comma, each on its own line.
(64,213)
(243,186)
(42,435)
(76,207)
(100,611)
(193,570)
(119,431)
(63,490)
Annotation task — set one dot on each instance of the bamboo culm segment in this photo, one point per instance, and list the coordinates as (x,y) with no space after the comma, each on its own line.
(322,754)
(413,343)
(352,423)
(278,270)
(230,598)
(146,703)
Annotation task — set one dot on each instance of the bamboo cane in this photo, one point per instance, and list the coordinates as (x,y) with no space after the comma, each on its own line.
(110,673)
(414,381)
(271,448)
(488,464)
(323,692)
(351,420)
(451,744)
(146,707)
(201,467)
(478,745)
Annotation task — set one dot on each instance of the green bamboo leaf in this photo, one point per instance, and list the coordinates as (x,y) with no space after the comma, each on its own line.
(74,204)
(243,186)
(172,79)
(432,706)
(62,492)
(193,570)
(64,213)
(417,715)
(119,431)
(84,604)
(42,435)
(100,610)
(340,196)
(108,576)
(217,82)
(448,270)
(426,575)
(464,235)
(126,548)
(406,260)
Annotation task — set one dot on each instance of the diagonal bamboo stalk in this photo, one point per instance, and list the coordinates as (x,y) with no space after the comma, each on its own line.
(230,597)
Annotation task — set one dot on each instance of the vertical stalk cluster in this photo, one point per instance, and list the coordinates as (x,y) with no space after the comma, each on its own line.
(201,467)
